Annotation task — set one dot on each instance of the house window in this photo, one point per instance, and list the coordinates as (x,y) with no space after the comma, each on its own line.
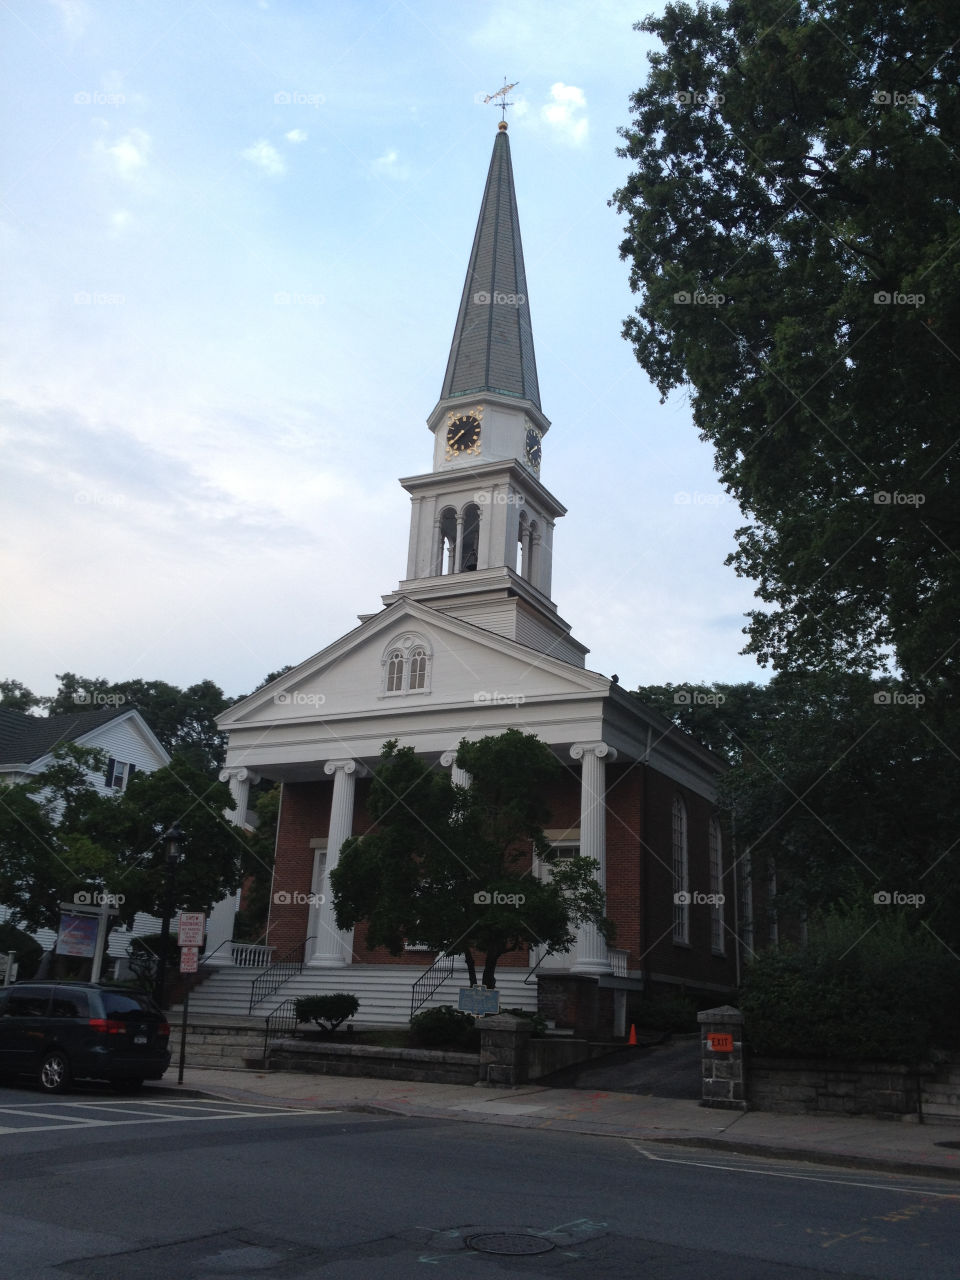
(716,888)
(118,774)
(406,665)
(681,873)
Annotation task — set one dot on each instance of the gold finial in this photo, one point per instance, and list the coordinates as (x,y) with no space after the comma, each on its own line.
(503,103)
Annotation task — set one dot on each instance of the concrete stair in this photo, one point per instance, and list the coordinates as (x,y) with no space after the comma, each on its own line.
(382,989)
(941,1097)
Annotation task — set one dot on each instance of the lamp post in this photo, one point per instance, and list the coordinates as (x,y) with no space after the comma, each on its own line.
(172,848)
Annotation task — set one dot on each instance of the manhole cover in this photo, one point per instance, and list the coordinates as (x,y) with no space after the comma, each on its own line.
(507,1242)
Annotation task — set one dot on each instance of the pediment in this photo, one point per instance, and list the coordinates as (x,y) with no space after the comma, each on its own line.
(465,666)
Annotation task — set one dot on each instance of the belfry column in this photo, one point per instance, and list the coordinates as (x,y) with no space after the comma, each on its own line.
(591,945)
(223,914)
(332,948)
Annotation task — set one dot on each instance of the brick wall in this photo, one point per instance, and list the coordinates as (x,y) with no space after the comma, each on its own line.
(304,816)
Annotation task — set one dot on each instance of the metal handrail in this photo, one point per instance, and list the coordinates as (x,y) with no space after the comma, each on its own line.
(433,982)
(279,1022)
(546,953)
(279,972)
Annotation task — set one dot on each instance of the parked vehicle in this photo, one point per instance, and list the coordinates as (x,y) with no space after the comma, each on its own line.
(64,1031)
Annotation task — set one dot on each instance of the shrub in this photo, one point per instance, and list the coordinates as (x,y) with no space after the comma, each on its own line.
(327,1011)
(860,989)
(538,1020)
(444,1026)
(27,950)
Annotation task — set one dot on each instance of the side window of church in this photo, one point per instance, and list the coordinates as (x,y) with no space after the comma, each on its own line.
(418,669)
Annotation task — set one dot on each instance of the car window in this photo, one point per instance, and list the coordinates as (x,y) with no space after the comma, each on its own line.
(123,1004)
(29,1002)
(69,1004)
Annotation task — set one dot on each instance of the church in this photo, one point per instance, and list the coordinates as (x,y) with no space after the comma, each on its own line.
(471,643)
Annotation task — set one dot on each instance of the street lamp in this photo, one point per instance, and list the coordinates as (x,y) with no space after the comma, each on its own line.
(172,848)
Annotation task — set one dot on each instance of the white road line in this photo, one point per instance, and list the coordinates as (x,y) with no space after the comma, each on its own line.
(800,1177)
(81,1123)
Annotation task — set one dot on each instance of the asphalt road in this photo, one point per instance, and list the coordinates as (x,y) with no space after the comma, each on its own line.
(94,1187)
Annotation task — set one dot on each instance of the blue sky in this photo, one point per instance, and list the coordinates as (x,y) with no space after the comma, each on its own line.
(235,235)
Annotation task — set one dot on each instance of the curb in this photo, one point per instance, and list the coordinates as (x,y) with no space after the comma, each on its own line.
(876,1164)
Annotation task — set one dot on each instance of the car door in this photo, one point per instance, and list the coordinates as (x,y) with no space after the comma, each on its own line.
(70,1027)
(23,1026)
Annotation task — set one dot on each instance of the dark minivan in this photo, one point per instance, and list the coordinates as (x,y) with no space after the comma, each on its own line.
(63,1031)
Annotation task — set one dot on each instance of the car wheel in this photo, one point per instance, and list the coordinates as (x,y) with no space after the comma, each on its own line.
(55,1072)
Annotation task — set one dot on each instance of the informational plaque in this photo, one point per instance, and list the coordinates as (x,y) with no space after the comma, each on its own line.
(479,1001)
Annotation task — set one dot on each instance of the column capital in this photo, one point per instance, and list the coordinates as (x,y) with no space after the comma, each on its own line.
(239,773)
(599,749)
(348,767)
(448,759)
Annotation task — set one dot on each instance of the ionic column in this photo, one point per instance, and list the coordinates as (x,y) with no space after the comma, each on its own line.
(459,777)
(331,947)
(591,951)
(223,914)
(239,781)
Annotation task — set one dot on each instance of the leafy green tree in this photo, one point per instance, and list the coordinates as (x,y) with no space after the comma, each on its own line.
(17,697)
(793,228)
(183,719)
(449,866)
(60,837)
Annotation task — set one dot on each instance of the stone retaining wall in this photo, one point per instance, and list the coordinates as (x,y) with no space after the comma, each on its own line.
(800,1087)
(372,1060)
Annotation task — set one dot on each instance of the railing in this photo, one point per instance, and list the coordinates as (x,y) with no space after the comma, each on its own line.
(250,955)
(618,962)
(527,980)
(279,1023)
(430,981)
(288,966)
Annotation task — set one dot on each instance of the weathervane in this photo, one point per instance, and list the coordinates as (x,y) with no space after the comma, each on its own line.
(503,104)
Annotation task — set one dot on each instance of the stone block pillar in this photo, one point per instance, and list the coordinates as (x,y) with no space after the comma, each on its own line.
(505,1049)
(722,1058)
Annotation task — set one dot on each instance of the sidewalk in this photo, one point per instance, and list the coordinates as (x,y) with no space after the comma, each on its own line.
(886,1145)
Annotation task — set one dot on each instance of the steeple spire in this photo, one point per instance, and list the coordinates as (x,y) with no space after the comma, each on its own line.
(492,348)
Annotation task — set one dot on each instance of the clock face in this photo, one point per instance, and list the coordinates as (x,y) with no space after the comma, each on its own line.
(463,436)
(534,448)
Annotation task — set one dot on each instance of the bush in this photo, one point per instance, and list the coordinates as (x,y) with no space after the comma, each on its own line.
(538,1020)
(444,1026)
(327,1011)
(28,951)
(860,989)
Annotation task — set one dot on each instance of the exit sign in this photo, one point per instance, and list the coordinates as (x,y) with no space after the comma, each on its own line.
(720,1041)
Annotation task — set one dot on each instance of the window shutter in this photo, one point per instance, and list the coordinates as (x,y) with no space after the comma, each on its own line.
(131,770)
(111,765)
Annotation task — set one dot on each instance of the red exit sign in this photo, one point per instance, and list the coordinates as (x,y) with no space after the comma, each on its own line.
(720,1041)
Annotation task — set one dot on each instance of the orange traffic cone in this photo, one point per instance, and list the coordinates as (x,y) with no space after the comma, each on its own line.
(633,1034)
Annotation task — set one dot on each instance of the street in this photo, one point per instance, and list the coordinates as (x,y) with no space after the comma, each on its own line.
(160,1187)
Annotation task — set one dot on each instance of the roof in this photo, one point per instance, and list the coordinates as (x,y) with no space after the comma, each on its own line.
(25,738)
(492,348)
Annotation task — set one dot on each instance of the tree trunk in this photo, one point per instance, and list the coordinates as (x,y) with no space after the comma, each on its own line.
(471,966)
(490,968)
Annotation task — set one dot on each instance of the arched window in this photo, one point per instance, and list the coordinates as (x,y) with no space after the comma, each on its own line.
(406,665)
(395,672)
(470,555)
(717,940)
(523,537)
(446,541)
(418,668)
(681,873)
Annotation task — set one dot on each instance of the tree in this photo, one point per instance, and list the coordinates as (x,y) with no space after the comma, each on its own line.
(17,697)
(183,719)
(449,866)
(793,226)
(59,837)
(846,784)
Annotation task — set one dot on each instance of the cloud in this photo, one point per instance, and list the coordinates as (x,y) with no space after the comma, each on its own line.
(296,135)
(563,113)
(75,15)
(266,157)
(128,155)
(388,166)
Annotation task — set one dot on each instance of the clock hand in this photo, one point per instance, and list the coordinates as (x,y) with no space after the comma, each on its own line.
(458,435)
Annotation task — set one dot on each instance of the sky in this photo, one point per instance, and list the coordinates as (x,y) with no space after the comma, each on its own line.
(235,233)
